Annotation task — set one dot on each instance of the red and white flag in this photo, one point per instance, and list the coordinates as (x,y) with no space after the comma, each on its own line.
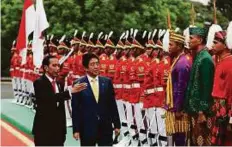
(27,26)
(38,39)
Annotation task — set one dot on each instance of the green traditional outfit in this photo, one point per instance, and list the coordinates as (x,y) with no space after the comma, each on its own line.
(198,96)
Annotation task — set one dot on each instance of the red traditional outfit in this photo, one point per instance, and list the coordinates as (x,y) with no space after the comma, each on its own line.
(222,93)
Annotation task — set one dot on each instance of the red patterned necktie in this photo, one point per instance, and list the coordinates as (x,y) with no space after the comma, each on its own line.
(54,86)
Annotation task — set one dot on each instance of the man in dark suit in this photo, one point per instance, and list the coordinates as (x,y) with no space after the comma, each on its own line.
(49,126)
(95,113)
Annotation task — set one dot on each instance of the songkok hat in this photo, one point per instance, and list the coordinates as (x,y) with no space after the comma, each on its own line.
(177,38)
(198,31)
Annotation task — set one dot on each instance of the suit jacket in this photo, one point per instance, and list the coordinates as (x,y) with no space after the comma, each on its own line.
(50,117)
(91,118)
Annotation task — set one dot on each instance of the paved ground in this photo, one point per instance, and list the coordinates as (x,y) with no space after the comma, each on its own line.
(11,136)
(6,90)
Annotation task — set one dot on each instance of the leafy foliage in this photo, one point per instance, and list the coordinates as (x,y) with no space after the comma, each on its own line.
(65,16)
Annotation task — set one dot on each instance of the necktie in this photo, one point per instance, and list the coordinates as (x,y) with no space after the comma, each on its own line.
(54,86)
(95,89)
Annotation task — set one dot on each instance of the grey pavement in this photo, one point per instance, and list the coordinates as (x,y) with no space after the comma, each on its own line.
(6,90)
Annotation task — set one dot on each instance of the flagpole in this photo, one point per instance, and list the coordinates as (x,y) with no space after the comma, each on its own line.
(46,41)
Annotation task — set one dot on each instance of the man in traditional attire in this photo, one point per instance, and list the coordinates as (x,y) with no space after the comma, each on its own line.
(198,99)
(176,120)
(222,92)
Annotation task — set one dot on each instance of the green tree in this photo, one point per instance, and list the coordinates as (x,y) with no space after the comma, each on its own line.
(64,16)
(10,11)
(225,7)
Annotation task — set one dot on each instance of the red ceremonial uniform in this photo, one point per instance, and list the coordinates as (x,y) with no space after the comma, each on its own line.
(65,68)
(13,64)
(151,83)
(141,66)
(104,61)
(17,64)
(29,67)
(118,78)
(112,62)
(70,75)
(125,70)
(78,69)
(135,90)
(164,69)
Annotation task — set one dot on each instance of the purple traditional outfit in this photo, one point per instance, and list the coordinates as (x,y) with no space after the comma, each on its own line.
(180,73)
(176,121)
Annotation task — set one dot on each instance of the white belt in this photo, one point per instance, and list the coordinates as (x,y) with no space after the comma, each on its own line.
(127,86)
(153,90)
(11,69)
(135,85)
(76,76)
(22,69)
(149,91)
(159,89)
(17,68)
(117,85)
(27,70)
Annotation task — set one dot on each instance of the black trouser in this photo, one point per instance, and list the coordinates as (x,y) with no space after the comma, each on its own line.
(41,140)
(103,141)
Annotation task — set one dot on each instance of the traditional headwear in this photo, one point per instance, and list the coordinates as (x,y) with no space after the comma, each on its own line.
(90,43)
(53,42)
(120,43)
(109,43)
(135,43)
(220,36)
(75,40)
(177,38)
(150,42)
(13,48)
(198,31)
(62,44)
(159,43)
(29,46)
(83,42)
(127,43)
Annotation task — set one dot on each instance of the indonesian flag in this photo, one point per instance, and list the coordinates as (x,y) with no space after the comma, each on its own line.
(38,39)
(27,26)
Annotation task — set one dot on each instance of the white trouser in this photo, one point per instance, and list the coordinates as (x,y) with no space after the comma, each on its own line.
(18,81)
(130,118)
(68,108)
(14,86)
(24,88)
(121,110)
(139,120)
(157,122)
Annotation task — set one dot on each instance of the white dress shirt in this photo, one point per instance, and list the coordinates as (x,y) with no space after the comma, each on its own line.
(51,80)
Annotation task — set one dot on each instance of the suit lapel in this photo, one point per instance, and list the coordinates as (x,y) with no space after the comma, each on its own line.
(59,87)
(48,83)
(101,87)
